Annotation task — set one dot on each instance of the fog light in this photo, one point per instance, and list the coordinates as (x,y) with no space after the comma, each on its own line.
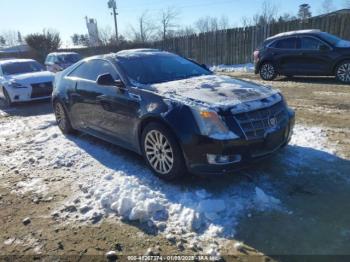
(223,159)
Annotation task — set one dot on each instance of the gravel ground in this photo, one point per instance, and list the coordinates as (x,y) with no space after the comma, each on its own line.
(52,188)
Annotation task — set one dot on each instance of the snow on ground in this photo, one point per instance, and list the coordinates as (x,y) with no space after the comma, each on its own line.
(249,67)
(112,182)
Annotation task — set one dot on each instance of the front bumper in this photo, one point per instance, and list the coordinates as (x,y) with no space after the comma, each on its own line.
(30,93)
(248,150)
(256,67)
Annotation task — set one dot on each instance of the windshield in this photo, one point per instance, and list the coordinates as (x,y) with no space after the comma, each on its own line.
(69,58)
(21,68)
(158,68)
(331,38)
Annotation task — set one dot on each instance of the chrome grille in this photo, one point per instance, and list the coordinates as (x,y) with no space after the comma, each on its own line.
(255,124)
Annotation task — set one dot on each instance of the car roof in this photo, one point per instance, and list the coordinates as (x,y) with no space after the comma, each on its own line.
(16,60)
(127,53)
(292,33)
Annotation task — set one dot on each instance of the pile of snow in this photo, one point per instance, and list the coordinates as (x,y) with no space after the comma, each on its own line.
(248,68)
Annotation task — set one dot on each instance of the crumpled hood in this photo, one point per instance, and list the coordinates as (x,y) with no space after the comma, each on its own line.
(215,91)
(32,78)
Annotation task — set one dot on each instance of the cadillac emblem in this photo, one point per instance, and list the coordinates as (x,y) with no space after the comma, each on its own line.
(273,121)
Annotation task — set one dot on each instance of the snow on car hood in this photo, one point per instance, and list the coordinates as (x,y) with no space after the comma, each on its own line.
(32,78)
(218,92)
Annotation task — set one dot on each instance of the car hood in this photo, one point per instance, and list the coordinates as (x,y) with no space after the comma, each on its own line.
(32,78)
(218,91)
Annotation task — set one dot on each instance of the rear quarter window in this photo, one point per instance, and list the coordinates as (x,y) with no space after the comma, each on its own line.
(286,43)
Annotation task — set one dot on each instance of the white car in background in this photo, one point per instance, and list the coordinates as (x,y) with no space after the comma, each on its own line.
(24,80)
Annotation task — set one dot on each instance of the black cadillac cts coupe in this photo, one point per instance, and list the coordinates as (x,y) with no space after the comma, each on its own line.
(176,113)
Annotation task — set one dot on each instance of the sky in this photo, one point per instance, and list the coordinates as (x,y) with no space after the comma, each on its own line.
(67,16)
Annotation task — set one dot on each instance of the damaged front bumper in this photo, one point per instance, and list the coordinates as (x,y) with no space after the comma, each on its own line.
(227,156)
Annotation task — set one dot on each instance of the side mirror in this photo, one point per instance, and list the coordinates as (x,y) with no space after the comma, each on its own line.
(324,48)
(108,80)
(105,80)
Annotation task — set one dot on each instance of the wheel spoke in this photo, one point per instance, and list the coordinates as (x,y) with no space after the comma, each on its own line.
(343,73)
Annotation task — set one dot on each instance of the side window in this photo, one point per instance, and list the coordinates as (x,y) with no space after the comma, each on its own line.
(310,43)
(107,68)
(48,59)
(90,70)
(286,43)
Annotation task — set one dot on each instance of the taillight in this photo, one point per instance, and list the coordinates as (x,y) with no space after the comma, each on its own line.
(256,56)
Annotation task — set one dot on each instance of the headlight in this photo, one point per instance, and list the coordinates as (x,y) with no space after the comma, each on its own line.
(210,124)
(16,85)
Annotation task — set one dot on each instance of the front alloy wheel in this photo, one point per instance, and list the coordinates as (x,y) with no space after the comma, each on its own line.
(62,119)
(343,72)
(268,71)
(162,152)
(159,152)
(7,97)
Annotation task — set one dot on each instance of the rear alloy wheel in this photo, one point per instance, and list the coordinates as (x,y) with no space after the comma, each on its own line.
(343,72)
(7,97)
(162,152)
(62,119)
(268,71)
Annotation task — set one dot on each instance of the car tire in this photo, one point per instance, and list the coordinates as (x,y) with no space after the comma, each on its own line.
(268,71)
(162,152)
(62,118)
(342,72)
(7,97)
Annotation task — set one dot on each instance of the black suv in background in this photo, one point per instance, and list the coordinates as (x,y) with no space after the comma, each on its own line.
(304,52)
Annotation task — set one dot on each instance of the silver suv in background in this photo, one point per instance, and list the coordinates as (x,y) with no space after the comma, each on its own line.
(59,61)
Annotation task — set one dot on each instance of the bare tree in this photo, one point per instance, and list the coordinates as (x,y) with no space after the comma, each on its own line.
(327,6)
(224,22)
(168,19)
(268,11)
(209,24)
(11,37)
(267,15)
(246,21)
(106,35)
(185,31)
(203,24)
(286,17)
(146,29)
